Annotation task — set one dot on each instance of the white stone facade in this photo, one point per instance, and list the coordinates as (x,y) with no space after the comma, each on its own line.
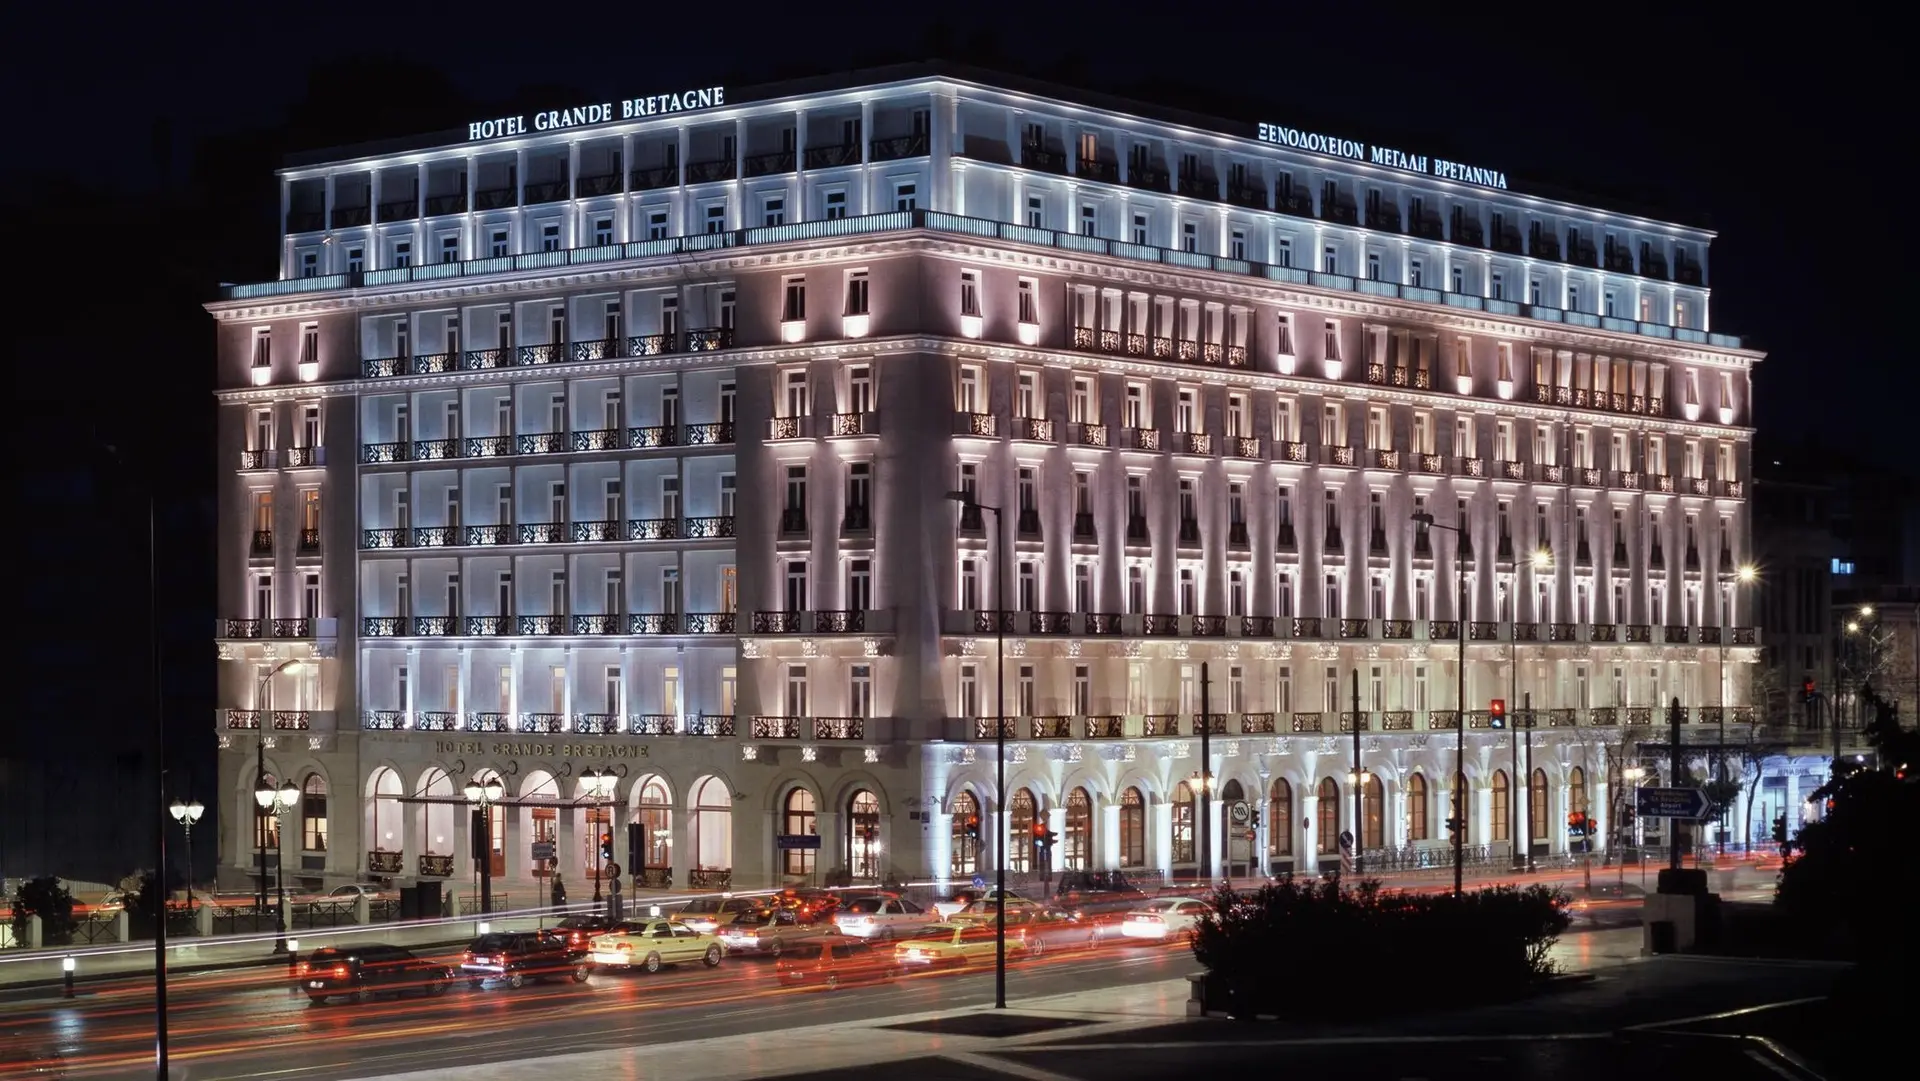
(641,460)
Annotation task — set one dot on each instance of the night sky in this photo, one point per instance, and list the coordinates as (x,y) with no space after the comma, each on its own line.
(143,140)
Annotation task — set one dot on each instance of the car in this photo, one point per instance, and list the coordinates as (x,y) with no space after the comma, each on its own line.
(962,898)
(987,908)
(880,916)
(580,931)
(835,962)
(514,957)
(651,944)
(1050,929)
(1097,893)
(363,971)
(708,914)
(1162,919)
(951,944)
(810,904)
(353,891)
(771,930)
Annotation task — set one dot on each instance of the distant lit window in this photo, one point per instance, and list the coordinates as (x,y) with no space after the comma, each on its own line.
(1843,566)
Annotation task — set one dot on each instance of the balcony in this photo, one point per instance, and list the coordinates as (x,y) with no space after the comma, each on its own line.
(385,626)
(652,623)
(1237,536)
(1102,624)
(1137,530)
(1050,727)
(1083,529)
(1090,435)
(766,622)
(543,626)
(1483,631)
(1305,723)
(840,728)
(1676,635)
(1639,633)
(979,424)
(1356,628)
(793,521)
(262,544)
(854,424)
(1098,169)
(1284,537)
(857,519)
(1189,533)
(646,724)
(898,147)
(1350,721)
(1049,622)
(1142,438)
(1105,726)
(1031,429)
(1027,523)
(777,727)
(991,621)
(832,157)
(589,625)
(1396,720)
(848,621)
(1192,443)
(1304,627)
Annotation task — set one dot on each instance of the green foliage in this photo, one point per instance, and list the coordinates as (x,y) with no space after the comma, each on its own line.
(50,900)
(1721,794)
(1493,941)
(1852,874)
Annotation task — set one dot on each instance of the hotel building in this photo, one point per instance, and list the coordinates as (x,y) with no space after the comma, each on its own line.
(621,437)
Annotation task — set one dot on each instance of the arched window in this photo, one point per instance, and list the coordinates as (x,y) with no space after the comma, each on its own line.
(1417,808)
(1280,819)
(1577,791)
(1375,805)
(965,859)
(1502,813)
(1079,838)
(1020,846)
(863,835)
(712,834)
(496,824)
(799,821)
(385,833)
(1329,817)
(656,832)
(436,819)
(1133,828)
(1537,806)
(313,814)
(1183,823)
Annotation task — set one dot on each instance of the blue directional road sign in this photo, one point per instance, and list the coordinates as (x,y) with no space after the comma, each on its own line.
(979,883)
(1670,803)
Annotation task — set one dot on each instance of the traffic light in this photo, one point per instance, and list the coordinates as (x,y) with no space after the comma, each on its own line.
(1453,828)
(636,845)
(1497,713)
(606,847)
(1039,835)
(973,827)
(1580,824)
(1780,830)
(1051,839)
(1806,691)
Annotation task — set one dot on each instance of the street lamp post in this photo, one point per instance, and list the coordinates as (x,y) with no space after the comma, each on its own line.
(276,802)
(1458,822)
(600,785)
(187,813)
(1000,617)
(1728,583)
(483,795)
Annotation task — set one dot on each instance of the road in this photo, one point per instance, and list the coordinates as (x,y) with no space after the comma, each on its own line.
(248,1024)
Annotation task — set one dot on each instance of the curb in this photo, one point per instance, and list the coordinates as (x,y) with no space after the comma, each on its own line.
(189,969)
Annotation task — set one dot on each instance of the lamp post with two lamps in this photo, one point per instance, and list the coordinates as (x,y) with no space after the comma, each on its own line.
(599,785)
(274,802)
(1457,822)
(187,813)
(1729,581)
(1000,617)
(483,795)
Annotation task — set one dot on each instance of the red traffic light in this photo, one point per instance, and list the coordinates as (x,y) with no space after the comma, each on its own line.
(1498,708)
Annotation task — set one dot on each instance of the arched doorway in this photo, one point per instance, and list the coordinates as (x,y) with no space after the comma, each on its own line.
(799,817)
(1280,821)
(1502,807)
(386,825)
(436,822)
(654,817)
(1418,826)
(1374,803)
(1021,848)
(1133,828)
(313,815)
(1238,834)
(540,821)
(1079,838)
(1327,809)
(965,852)
(1537,824)
(711,835)
(863,836)
(1183,825)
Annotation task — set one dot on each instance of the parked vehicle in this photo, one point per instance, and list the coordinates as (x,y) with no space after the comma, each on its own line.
(835,962)
(363,971)
(652,944)
(1164,918)
(772,930)
(880,916)
(514,957)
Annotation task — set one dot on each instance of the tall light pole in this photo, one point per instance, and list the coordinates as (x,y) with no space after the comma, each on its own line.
(1542,563)
(187,813)
(1000,618)
(265,794)
(483,795)
(600,784)
(275,802)
(1459,819)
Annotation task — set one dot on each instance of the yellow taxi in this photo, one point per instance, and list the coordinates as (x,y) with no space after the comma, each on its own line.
(950,944)
(650,944)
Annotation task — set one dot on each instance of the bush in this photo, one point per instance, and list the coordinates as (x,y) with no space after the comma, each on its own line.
(1491,942)
(50,900)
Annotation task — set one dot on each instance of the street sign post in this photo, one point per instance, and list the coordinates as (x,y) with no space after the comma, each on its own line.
(979,882)
(1685,803)
(542,851)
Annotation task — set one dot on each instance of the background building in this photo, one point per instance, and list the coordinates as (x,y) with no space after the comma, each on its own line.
(621,436)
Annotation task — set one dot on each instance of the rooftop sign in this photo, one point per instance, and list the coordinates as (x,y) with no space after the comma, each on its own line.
(605,112)
(1333,146)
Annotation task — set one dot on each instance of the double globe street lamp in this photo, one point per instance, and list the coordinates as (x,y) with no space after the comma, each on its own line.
(274,802)
(600,785)
(483,795)
(187,813)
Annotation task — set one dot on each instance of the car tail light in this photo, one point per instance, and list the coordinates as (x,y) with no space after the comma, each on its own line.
(626,947)
(339,972)
(304,968)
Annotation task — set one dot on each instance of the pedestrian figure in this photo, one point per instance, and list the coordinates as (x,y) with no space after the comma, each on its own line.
(559,892)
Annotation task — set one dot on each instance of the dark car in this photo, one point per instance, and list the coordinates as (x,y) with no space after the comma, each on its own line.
(580,931)
(514,957)
(1051,929)
(1090,894)
(837,961)
(361,972)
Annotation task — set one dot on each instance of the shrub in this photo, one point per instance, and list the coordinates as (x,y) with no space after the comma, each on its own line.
(1255,944)
(50,900)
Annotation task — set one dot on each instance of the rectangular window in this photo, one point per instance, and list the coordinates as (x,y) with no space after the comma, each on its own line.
(1237,245)
(860,691)
(773,211)
(797,705)
(905,195)
(717,218)
(793,308)
(656,226)
(857,293)
(969,696)
(1036,212)
(859,585)
(796,585)
(970,293)
(1089,219)
(1283,253)
(1029,303)
(1082,587)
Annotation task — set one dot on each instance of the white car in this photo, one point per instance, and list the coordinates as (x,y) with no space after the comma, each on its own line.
(881,916)
(1160,920)
(962,899)
(353,891)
